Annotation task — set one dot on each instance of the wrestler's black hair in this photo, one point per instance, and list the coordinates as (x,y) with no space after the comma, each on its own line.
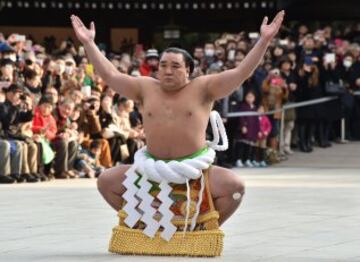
(189,61)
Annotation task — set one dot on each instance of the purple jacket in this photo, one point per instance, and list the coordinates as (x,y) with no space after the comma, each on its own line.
(251,123)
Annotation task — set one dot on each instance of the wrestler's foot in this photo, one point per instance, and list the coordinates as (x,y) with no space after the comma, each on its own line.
(239,163)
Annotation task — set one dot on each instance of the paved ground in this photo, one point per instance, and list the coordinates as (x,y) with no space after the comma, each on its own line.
(291,213)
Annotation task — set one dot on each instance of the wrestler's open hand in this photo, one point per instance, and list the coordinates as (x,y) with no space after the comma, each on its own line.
(268,31)
(84,34)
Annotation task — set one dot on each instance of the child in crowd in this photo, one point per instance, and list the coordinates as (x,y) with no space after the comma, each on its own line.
(265,129)
(249,129)
(87,162)
(44,129)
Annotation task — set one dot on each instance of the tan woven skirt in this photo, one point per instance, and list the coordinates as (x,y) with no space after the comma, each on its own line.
(206,239)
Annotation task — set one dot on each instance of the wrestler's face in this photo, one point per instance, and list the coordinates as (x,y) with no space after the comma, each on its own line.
(173,74)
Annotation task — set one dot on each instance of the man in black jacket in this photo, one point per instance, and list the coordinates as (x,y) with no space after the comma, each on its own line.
(14,111)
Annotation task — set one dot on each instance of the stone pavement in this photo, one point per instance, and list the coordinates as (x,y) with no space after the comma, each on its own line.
(289,214)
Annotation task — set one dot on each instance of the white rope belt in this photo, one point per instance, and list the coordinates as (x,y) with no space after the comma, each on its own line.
(177,172)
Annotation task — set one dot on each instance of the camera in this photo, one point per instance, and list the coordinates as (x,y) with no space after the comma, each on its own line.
(69,44)
(23,97)
(92,107)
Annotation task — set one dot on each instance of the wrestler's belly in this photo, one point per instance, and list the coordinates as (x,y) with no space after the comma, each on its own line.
(172,143)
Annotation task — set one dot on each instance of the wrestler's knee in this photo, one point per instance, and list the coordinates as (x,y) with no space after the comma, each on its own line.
(103,182)
(111,179)
(226,182)
(237,184)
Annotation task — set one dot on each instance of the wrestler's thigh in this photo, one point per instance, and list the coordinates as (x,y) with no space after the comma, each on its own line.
(111,179)
(224,181)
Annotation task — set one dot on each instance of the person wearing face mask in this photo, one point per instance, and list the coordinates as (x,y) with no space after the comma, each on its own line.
(331,110)
(69,67)
(349,72)
(209,50)
(220,56)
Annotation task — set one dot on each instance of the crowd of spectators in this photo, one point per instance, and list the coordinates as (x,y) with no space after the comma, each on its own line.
(300,65)
(59,119)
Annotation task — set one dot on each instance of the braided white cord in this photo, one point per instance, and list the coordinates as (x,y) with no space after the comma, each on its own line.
(218,127)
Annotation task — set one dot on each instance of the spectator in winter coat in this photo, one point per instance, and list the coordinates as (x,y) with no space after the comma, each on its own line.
(248,131)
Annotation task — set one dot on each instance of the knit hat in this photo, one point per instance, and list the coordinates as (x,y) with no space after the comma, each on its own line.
(152,53)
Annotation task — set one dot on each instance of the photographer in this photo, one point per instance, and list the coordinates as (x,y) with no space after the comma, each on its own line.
(66,47)
(91,127)
(16,110)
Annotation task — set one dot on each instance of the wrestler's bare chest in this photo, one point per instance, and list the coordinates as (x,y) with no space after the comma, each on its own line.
(175,123)
(175,109)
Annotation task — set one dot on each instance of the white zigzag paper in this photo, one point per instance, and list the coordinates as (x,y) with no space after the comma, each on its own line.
(133,216)
(164,209)
(152,226)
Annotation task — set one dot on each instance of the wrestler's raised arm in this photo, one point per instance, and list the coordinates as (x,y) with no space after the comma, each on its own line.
(122,83)
(223,84)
